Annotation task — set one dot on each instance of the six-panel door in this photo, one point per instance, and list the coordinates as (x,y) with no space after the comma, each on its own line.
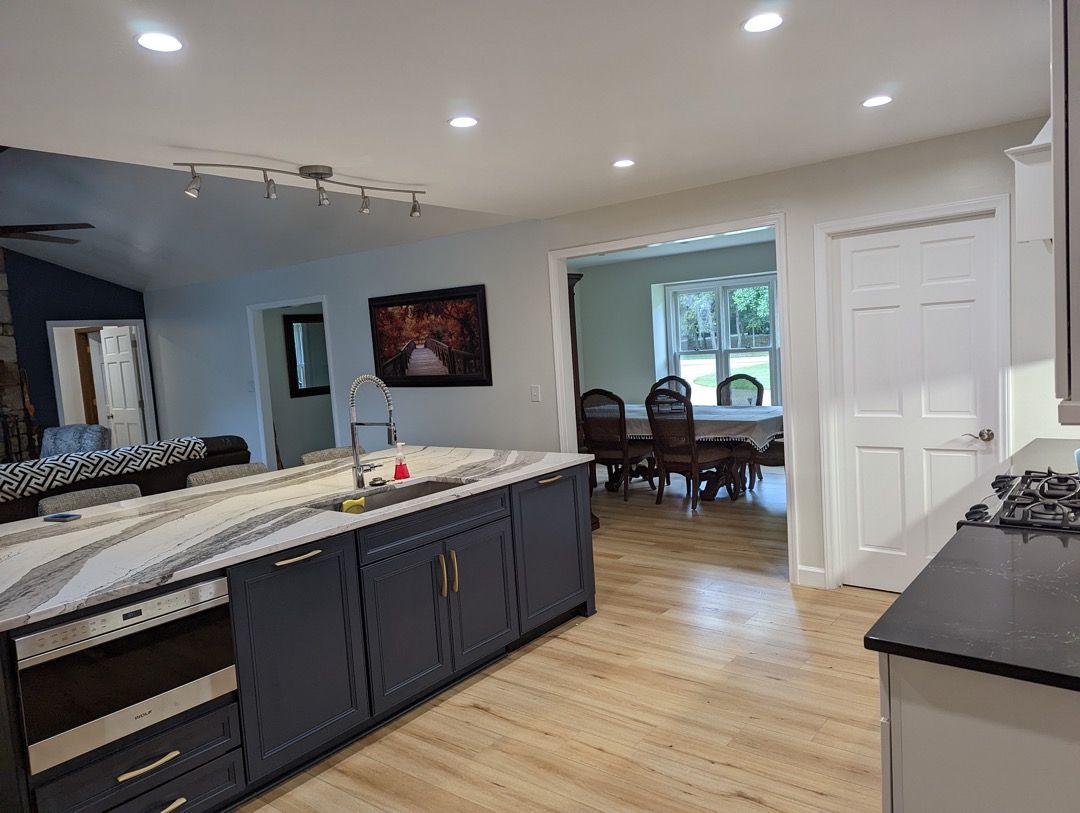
(406,618)
(483,598)
(299,651)
(551,545)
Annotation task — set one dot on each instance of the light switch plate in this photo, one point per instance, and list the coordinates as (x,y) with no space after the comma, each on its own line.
(534,393)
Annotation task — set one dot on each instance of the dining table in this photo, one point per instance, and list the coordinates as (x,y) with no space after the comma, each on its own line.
(756,426)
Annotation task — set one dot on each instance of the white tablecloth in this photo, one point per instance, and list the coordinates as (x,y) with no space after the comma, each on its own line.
(756,425)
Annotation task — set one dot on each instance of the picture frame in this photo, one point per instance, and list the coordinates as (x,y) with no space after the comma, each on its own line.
(435,338)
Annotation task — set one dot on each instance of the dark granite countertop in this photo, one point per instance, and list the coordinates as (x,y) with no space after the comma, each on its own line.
(993,600)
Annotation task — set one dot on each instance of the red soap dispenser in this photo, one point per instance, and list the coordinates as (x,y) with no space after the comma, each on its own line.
(401,468)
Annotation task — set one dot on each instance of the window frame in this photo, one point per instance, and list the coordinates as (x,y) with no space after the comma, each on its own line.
(723,352)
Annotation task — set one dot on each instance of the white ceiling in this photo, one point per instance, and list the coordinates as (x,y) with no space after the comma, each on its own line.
(148,234)
(561,87)
(741,237)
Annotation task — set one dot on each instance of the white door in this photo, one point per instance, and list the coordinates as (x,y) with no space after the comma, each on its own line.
(122,384)
(921,373)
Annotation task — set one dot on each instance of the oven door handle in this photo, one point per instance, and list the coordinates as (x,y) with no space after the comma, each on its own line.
(127,777)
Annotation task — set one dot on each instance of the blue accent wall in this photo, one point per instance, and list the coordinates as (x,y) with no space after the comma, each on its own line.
(41,292)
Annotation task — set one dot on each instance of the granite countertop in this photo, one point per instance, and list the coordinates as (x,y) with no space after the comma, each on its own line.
(48,569)
(993,600)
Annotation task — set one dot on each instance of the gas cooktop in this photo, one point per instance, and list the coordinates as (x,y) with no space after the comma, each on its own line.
(1035,499)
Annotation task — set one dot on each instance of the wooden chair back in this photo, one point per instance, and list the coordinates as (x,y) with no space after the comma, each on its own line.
(603,420)
(671,418)
(729,387)
(672,382)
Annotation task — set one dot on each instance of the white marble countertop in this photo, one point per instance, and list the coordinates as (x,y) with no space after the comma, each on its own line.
(49,569)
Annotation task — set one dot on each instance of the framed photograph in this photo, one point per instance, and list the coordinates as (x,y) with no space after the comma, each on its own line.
(432,338)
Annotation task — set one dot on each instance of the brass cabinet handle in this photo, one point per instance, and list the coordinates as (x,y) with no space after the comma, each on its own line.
(554,479)
(295,559)
(169,757)
(457,579)
(442,564)
(179,803)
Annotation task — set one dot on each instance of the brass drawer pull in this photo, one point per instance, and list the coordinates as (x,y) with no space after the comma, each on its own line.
(554,479)
(442,564)
(310,554)
(179,803)
(169,757)
(457,579)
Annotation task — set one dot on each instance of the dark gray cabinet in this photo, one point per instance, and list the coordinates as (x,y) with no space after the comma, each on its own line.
(407,621)
(552,545)
(299,651)
(483,598)
(438,610)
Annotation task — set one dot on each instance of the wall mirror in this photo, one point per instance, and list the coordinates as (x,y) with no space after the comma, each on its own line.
(305,351)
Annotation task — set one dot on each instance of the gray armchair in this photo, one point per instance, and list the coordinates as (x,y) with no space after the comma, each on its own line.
(76,437)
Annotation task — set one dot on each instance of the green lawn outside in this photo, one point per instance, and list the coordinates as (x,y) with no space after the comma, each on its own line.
(759,371)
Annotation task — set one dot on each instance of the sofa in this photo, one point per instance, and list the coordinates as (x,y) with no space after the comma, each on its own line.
(222,450)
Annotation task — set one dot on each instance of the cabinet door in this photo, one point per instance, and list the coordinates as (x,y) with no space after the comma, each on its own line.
(299,651)
(552,545)
(406,616)
(483,599)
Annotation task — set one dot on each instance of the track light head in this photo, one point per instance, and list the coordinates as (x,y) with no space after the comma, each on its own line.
(414,210)
(271,187)
(324,199)
(192,189)
(365,202)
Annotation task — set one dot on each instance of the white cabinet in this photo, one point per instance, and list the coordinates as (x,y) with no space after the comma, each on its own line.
(959,740)
(1034,186)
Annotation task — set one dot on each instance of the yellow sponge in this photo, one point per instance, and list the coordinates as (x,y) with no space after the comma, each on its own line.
(353,506)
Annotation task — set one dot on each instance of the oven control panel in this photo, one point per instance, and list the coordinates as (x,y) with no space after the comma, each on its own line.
(122,618)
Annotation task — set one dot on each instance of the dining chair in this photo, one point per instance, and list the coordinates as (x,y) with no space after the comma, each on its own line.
(671,418)
(732,391)
(673,382)
(87,497)
(222,473)
(772,456)
(604,426)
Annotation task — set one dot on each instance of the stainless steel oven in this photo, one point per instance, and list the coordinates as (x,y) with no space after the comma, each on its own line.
(92,681)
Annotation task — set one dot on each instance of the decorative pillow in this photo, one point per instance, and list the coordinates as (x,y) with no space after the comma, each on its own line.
(29,477)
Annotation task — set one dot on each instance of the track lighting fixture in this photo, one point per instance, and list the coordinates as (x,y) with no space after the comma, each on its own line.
(192,189)
(319,173)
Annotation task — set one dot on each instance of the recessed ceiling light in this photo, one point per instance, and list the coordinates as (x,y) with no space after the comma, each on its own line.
(622,163)
(463,121)
(877,101)
(763,22)
(158,41)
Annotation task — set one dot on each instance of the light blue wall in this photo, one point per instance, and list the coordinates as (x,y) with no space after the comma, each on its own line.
(615,311)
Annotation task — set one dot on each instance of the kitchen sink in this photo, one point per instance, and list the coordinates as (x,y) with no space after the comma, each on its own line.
(383,496)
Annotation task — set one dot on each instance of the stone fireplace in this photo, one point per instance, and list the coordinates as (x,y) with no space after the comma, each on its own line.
(18,437)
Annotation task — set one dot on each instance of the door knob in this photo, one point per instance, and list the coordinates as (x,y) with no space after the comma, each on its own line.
(985,435)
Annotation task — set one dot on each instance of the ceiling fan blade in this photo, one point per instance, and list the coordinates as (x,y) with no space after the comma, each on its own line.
(41,238)
(43,227)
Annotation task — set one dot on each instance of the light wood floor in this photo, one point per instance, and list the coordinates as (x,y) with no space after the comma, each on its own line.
(704,683)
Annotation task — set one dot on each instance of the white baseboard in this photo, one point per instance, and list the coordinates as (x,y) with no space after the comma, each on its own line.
(811,577)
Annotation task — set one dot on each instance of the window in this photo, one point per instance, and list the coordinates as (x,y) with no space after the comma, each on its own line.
(724,326)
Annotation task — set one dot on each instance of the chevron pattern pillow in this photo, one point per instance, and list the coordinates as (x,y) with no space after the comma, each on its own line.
(30,477)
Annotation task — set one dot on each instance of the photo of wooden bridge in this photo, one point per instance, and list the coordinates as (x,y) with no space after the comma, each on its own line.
(430,357)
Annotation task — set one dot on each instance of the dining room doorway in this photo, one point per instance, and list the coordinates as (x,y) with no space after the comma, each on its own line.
(706,306)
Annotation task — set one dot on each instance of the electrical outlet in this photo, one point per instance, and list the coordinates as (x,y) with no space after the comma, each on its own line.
(534,393)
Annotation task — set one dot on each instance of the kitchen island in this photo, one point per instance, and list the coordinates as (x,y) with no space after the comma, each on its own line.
(980,676)
(306,627)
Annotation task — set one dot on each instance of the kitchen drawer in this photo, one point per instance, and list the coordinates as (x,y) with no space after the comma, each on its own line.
(416,530)
(204,789)
(95,787)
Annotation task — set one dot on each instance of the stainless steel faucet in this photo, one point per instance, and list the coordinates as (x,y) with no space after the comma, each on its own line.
(354,425)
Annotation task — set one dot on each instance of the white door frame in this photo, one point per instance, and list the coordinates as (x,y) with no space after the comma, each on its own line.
(264,416)
(146,384)
(564,387)
(830,350)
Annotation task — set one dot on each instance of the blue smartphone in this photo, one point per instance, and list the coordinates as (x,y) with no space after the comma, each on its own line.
(61,517)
